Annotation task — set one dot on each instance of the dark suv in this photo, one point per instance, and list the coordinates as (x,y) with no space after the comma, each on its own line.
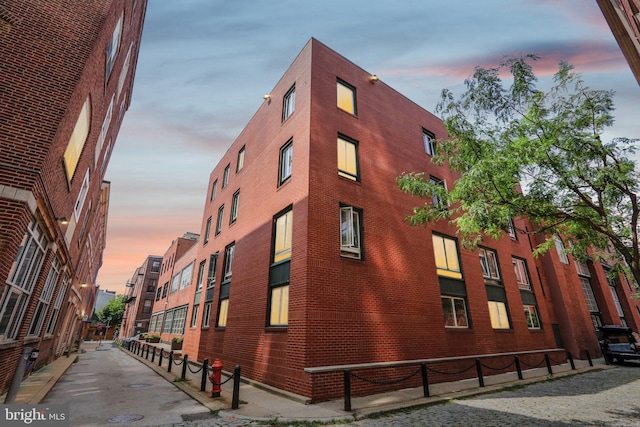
(618,343)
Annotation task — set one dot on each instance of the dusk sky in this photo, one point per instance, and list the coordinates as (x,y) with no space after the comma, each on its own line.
(205,64)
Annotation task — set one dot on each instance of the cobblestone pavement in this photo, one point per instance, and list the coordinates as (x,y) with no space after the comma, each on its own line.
(600,398)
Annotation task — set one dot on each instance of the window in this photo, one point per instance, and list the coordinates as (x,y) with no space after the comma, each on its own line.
(616,301)
(592,304)
(125,70)
(446,257)
(158,294)
(151,285)
(228,260)
(213,263)
(286,162)
(77,139)
(455,312)
(279,311)
(147,306)
(201,268)
(562,253)
(489,263)
(206,315)
(219,220)
(240,163)
(282,239)
(348,158)
(531,314)
(164,289)
(289,103)
(214,190)
(175,283)
(112,48)
(522,277)
(155,266)
(429,141)
(103,131)
(45,298)
(512,230)
(222,313)
(56,306)
(225,177)
(235,200)
(498,314)
(179,320)
(350,232)
(194,316)
(207,230)
(438,199)
(186,276)
(20,285)
(346,97)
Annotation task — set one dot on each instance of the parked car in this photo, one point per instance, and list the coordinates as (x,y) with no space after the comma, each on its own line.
(138,337)
(618,343)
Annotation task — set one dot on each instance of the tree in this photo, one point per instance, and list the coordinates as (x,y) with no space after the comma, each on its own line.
(113,309)
(523,152)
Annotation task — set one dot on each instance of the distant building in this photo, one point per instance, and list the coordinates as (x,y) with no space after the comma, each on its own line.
(623,16)
(103,298)
(141,289)
(67,72)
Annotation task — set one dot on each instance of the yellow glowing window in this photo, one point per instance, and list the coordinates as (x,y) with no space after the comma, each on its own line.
(279,306)
(282,242)
(498,314)
(347,158)
(446,255)
(77,140)
(222,314)
(346,97)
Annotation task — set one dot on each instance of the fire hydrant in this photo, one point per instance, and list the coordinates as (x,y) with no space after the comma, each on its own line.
(216,374)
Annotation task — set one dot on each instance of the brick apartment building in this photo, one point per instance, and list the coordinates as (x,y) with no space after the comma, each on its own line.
(623,17)
(141,291)
(306,261)
(67,71)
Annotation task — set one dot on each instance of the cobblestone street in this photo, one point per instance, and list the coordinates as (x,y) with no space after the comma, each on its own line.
(601,398)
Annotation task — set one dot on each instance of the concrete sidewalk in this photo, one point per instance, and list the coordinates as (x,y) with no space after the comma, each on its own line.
(259,402)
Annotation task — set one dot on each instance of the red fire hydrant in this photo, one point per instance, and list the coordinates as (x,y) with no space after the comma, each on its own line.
(216,375)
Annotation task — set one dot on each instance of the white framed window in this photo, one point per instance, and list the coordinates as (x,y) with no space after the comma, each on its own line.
(207,230)
(194,316)
(429,141)
(206,315)
(186,273)
(562,253)
(582,269)
(489,263)
(616,301)
(228,260)
(350,232)
(124,71)
(235,201)
(214,190)
(512,230)
(179,320)
(498,315)
(103,131)
(531,314)
(45,298)
(200,280)
(57,304)
(211,273)
(240,163)
(225,177)
(286,162)
(522,275)
(113,47)
(82,196)
(289,103)
(592,304)
(445,250)
(175,283)
(455,312)
(438,201)
(219,219)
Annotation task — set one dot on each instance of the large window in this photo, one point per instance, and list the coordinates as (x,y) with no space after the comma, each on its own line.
(429,141)
(211,274)
(20,285)
(522,276)
(446,256)
(348,158)
(455,312)
(206,315)
(223,311)
(194,316)
(286,162)
(279,276)
(186,276)
(228,260)
(45,298)
(175,283)
(235,201)
(282,239)
(562,252)
(531,314)
(112,48)
(219,220)
(496,295)
(489,263)
(289,103)
(77,139)
(279,314)
(103,131)
(57,304)
(346,95)
(350,232)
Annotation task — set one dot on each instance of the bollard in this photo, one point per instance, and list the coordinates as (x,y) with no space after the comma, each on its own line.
(160,357)
(170,361)
(147,356)
(570,357)
(347,390)
(479,369)
(215,377)
(203,380)
(235,400)
(548,362)
(518,368)
(153,355)
(425,379)
(589,358)
(185,362)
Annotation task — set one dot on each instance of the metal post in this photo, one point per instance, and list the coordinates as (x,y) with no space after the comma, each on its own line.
(170,361)
(425,380)
(347,390)
(546,359)
(147,356)
(589,358)
(185,362)
(153,355)
(160,358)
(518,368)
(570,357)
(17,376)
(205,369)
(235,401)
(479,369)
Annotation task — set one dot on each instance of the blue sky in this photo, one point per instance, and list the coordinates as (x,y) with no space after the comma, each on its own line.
(205,64)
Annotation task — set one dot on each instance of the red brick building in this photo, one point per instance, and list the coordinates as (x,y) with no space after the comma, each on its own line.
(67,71)
(141,292)
(623,17)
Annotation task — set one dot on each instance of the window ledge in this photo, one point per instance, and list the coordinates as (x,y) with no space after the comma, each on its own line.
(8,344)
(29,340)
(277,329)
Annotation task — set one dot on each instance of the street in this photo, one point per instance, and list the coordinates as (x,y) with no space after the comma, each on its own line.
(109,387)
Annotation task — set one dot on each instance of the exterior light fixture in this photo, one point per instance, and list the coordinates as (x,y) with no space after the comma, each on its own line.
(373,78)
(62,221)
(266,96)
